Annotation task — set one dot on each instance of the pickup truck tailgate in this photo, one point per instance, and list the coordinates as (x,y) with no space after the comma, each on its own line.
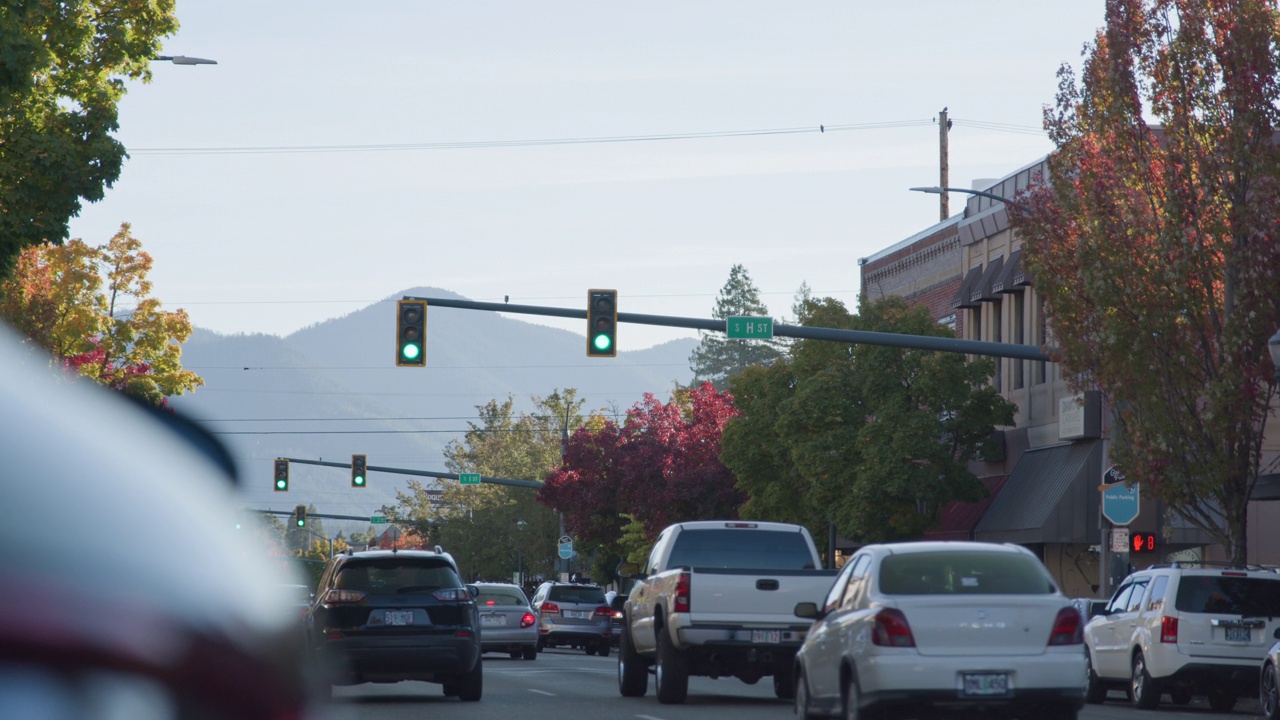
(720,595)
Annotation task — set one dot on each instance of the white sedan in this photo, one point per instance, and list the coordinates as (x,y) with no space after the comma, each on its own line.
(930,626)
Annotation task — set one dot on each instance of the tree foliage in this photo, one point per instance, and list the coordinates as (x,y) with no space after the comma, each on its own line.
(659,467)
(717,358)
(874,439)
(62,71)
(494,530)
(91,307)
(1156,247)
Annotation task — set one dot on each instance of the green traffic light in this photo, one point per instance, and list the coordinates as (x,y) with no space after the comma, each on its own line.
(281,484)
(410,351)
(302,523)
(358,480)
(602,342)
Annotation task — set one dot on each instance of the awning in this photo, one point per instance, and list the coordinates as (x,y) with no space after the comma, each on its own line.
(957,519)
(981,291)
(1051,497)
(961,300)
(1003,282)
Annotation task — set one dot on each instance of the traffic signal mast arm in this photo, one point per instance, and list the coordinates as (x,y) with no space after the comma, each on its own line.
(421,473)
(865,337)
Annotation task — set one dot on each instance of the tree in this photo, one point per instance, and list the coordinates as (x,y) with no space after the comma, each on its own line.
(1155,248)
(91,307)
(62,72)
(717,358)
(875,439)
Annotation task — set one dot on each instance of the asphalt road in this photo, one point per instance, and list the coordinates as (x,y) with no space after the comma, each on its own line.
(563,685)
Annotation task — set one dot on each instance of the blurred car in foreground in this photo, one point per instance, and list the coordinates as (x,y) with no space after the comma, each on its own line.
(97,619)
(392,615)
(575,615)
(507,621)
(1269,682)
(937,627)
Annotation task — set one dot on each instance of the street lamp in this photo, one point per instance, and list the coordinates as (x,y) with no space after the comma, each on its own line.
(1273,345)
(185,60)
(979,193)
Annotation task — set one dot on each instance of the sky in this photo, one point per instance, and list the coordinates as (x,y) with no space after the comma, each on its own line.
(340,153)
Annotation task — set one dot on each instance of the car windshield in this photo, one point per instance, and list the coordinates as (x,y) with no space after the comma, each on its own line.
(753,549)
(1229,595)
(394,575)
(500,596)
(571,594)
(966,572)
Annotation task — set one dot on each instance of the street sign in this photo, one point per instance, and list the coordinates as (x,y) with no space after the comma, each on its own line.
(566,550)
(1119,539)
(564,540)
(745,327)
(1119,501)
(468,478)
(377,520)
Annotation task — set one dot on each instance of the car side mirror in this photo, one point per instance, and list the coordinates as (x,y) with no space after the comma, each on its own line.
(807,610)
(473,590)
(1097,607)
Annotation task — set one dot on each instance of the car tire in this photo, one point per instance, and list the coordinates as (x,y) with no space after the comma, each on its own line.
(471,685)
(633,672)
(1222,701)
(851,702)
(530,653)
(1269,693)
(784,685)
(804,711)
(603,649)
(671,676)
(1095,693)
(1143,692)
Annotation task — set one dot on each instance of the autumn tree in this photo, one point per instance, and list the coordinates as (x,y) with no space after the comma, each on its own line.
(492,529)
(717,358)
(91,307)
(62,72)
(1155,246)
(876,440)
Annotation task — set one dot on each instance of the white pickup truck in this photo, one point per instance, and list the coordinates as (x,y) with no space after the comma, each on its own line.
(717,598)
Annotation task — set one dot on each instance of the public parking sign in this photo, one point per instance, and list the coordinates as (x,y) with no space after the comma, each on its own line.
(1119,501)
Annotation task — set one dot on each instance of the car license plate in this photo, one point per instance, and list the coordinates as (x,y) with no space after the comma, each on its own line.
(1237,634)
(398,617)
(577,614)
(771,637)
(493,619)
(984,684)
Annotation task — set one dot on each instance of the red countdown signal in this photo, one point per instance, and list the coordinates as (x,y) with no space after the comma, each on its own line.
(1142,543)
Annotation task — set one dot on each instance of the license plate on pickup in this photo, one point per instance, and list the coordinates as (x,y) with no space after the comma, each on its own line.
(493,620)
(1237,634)
(766,637)
(984,684)
(398,617)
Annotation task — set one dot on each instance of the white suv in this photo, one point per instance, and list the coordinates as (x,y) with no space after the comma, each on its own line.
(1184,629)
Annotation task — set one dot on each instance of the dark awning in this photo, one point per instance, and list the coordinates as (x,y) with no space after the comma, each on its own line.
(981,291)
(1019,277)
(961,300)
(1003,282)
(1051,497)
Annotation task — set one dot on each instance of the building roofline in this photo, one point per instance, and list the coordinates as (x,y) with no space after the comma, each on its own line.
(953,220)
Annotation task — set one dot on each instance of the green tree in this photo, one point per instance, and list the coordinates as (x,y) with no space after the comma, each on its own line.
(62,72)
(717,358)
(492,530)
(875,439)
(1155,247)
(91,307)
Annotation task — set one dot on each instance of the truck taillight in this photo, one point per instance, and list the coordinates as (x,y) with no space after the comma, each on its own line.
(341,597)
(891,629)
(682,600)
(547,607)
(1168,629)
(1066,628)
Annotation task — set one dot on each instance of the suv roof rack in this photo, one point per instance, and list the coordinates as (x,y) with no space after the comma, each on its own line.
(1225,564)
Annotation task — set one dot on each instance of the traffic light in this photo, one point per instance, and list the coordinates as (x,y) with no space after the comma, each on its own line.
(411,333)
(357,471)
(602,323)
(300,516)
(282,475)
(1142,542)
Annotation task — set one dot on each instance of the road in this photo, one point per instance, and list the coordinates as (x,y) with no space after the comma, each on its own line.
(566,684)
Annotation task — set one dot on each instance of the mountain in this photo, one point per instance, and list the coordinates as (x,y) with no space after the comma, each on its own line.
(333,389)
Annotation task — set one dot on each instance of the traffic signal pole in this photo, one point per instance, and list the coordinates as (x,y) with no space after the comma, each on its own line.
(864,337)
(422,473)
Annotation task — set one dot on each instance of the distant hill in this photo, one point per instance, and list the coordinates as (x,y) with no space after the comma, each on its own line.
(332,389)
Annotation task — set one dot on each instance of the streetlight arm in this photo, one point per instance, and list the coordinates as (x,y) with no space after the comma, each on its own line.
(185,60)
(979,193)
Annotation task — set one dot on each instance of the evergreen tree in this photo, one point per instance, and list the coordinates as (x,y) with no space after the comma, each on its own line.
(717,358)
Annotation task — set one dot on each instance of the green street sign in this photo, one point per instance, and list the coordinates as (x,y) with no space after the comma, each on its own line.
(378,520)
(468,478)
(740,327)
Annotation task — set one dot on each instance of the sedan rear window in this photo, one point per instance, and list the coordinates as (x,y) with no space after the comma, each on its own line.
(570,594)
(500,596)
(395,575)
(1228,595)
(963,572)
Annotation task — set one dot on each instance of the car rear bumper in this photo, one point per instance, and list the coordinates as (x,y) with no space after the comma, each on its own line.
(1055,678)
(434,658)
(1202,678)
(573,636)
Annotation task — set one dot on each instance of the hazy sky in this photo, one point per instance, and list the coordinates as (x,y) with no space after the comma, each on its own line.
(341,152)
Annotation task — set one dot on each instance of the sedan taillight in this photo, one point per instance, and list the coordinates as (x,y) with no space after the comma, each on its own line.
(1066,628)
(1169,630)
(340,597)
(527,620)
(891,629)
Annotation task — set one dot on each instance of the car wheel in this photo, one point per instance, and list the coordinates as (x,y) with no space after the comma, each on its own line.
(1142,689)
(471,685)
(633,675)
(1269,693)
(803,711)
(602,649)
(672,673)
(1094,691)
(784,685)
(1222,701)
(1180,697)
(540,646)
(851,701)
(530,653)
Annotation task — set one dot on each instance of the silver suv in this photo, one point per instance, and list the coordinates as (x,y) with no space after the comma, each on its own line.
(575,615)
(1184,629)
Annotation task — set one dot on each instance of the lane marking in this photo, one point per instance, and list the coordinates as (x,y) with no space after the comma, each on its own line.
(649,717)
(541,692)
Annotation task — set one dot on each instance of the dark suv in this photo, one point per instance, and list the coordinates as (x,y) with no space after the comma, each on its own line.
(575,615)
(390,615)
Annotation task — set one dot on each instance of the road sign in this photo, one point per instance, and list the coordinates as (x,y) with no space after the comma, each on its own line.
(1120,539)
(566,550)
(742,327)
(468,478)
(564,540)
(1119,501)
(377,520)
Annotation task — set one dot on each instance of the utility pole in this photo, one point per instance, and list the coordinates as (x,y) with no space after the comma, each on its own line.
(944,167)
